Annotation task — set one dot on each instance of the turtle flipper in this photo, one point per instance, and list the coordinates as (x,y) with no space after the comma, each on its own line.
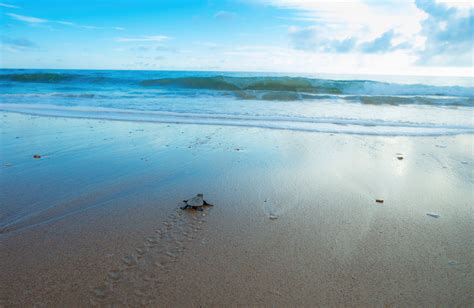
(184,207)
(207,204)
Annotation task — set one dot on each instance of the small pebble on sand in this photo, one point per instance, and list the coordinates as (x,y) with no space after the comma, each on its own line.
(379,200)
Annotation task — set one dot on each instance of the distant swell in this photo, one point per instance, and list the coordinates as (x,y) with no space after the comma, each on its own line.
(38,77)
(55,78)
(52,95)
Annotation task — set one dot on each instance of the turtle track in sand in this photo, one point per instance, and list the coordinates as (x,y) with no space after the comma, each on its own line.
(137,281)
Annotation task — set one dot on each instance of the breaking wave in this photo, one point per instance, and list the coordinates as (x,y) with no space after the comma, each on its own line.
(261,87)
(250,86)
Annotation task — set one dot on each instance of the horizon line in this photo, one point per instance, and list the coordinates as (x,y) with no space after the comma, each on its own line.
(239,71)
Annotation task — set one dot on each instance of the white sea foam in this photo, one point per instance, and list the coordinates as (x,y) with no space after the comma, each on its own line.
(308,124)
(403,106)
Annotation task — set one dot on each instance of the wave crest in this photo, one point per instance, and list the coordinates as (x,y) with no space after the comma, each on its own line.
(253,87)
(260,87)
(286,84)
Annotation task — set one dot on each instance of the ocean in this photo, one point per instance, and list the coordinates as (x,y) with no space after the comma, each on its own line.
(349,104)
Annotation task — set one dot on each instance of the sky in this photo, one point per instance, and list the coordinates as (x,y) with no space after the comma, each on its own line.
(402,37)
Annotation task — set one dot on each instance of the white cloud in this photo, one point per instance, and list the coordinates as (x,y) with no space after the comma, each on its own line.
(415,32)
(459,4)
(66,23)
(17,44)
(35,20)
(286,59)
(28,19)
(225,15)
(449,34)
(144,38)
(340,20)
(9,6)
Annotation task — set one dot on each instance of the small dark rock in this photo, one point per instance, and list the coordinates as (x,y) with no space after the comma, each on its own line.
(37,156)
(379,200)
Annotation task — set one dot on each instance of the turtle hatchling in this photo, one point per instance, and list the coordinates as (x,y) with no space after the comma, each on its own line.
(196,203)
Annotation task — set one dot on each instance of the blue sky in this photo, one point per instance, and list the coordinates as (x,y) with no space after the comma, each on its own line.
(427,37)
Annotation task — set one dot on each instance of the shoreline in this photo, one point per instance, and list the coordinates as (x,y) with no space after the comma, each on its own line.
(325,124)
(96,219)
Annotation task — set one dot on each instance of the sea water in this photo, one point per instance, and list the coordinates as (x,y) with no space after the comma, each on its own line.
(370,105)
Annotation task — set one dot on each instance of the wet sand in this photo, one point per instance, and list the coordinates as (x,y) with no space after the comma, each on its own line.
(95,220)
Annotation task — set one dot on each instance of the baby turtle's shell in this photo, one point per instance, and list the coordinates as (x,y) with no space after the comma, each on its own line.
(196,201)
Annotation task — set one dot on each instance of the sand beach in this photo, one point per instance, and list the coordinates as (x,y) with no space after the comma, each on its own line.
(96,220)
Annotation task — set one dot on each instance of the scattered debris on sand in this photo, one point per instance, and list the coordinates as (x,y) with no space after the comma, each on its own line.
(453,263)
(434,215)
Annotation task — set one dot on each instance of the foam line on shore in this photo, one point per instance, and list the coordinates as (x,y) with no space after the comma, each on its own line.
(307,124)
